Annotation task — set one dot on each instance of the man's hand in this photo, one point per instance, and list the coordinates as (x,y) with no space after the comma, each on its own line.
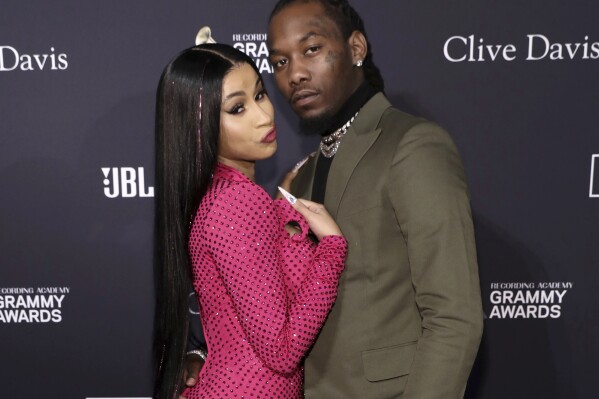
(191,370)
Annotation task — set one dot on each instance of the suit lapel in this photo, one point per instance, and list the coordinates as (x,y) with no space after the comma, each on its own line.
(352,149)
(357,141)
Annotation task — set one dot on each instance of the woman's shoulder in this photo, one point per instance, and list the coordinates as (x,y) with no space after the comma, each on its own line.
(237,193)
(233,206)
(237,190)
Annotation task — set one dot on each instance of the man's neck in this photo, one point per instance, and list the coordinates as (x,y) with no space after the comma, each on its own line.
(352,105)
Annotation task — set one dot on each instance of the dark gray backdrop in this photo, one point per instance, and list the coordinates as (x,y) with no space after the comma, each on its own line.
(70,253)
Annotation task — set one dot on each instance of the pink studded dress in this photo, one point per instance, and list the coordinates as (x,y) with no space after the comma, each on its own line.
(263,295)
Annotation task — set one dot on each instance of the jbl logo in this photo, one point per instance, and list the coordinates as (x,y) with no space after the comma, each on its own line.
(126,183)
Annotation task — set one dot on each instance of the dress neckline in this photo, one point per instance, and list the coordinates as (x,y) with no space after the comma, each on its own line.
(231,173)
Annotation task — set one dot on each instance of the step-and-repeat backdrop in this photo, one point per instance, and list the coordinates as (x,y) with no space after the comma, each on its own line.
(516,84)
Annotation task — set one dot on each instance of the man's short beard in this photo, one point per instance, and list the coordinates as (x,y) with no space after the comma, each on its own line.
(317,124)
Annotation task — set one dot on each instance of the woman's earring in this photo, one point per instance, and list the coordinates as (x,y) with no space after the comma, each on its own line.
(359,63)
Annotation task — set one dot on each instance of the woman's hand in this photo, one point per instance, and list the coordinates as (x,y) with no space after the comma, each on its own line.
(290,176)
(319,220)
(286,182)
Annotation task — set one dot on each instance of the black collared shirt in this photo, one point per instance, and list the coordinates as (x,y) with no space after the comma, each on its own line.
(323,164)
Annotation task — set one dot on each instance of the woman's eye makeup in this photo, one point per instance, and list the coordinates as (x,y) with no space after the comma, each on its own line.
(240,107)
(236,109)
(261,94)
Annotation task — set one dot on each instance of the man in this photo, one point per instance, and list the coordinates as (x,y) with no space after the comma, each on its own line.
(408,318)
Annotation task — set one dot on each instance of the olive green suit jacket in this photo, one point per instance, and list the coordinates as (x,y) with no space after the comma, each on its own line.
(408,318)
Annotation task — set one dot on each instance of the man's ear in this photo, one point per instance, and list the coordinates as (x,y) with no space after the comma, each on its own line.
(358,46)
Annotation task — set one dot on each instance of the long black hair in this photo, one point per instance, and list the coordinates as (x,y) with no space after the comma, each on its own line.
(347,20)
(188,107)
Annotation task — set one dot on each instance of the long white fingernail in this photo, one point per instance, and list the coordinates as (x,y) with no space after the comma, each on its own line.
(289,197)
(300,164)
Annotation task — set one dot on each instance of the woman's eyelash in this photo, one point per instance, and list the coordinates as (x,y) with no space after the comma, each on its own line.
(235,109)
(238,108)
(261,94)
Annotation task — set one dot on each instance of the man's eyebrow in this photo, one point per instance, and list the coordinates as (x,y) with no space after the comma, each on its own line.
(273,51)
(309,35)
(239,93)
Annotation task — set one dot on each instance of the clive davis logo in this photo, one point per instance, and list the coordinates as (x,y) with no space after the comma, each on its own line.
(594,185)
(12,59)
(126,183)
(538,47)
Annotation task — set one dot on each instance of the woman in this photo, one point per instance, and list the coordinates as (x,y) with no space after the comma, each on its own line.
(264,288)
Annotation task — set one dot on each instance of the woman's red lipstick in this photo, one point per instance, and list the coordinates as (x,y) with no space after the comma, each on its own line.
(270,136)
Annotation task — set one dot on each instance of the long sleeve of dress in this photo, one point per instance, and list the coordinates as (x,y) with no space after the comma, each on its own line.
(243,236)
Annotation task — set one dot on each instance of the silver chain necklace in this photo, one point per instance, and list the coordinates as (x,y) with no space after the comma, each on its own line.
(330,144)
